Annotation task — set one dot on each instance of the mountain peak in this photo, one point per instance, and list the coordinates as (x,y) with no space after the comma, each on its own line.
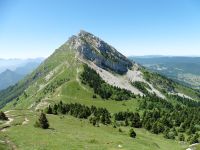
(92,48)
(84,33)
(7,71)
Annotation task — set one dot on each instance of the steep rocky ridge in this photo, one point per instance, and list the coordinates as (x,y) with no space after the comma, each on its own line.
(100,53)
(111,65)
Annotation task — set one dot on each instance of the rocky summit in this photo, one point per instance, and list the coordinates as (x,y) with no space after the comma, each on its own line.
(102,54)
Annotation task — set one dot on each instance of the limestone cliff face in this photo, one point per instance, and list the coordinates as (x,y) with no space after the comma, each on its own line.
(99,52)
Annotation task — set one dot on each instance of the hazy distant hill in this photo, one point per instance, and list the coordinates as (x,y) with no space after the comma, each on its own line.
(8,78)
(16,69)
(13,64)
(182,69)
(27,68)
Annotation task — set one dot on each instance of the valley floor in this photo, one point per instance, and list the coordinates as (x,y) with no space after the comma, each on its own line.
(67,132)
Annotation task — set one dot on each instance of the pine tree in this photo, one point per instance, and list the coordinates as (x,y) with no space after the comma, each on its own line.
(60,108)
(171,135)
(3,116)
(136,121)
(132,133)
(55,109)
(174,130)
(148,125)
(49,110)
(93,120)
(102,119)
(189,138)
(154,128)
(120,130)
(126,122)
(157,127)
(181,128)
(107,120)
(42,122)
(191,130)
(194,139)
(165,133)
(181,137)
(160,127)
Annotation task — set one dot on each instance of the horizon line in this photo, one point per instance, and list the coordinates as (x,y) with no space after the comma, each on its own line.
(44,57)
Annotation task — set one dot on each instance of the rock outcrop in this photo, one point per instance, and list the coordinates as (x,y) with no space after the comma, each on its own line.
(99,52)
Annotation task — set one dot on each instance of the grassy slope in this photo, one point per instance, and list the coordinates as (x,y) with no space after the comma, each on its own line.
(162,83)
(72,133)
(188,91)
(198,147)
(62,62)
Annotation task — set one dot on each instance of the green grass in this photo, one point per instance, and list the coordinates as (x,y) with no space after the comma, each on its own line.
(72,92)
(188,91)
(3,146)
(198,147)
(71,133)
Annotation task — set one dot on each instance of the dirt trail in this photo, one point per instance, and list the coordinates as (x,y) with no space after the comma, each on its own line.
(7,125)
(9,121)
(192,147)
(3,142)
(6,112)
(11,144)
(25,121)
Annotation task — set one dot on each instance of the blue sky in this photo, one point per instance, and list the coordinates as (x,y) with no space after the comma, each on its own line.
(35,28)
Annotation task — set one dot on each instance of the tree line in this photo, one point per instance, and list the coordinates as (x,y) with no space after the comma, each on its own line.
(141,86)
(160,116)
(100,87)
(185,101)
(129,118)
(94,114)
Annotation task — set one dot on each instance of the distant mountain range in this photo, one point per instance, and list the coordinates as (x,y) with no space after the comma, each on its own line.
(14,63)
(13,70)
(8,78)
(182,69)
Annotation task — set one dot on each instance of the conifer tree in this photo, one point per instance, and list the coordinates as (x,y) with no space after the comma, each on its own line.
(194,139)
(126,122)
(3,116)
(132,133)
(181,137)
(42,122)
(55,109)
(49,110)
